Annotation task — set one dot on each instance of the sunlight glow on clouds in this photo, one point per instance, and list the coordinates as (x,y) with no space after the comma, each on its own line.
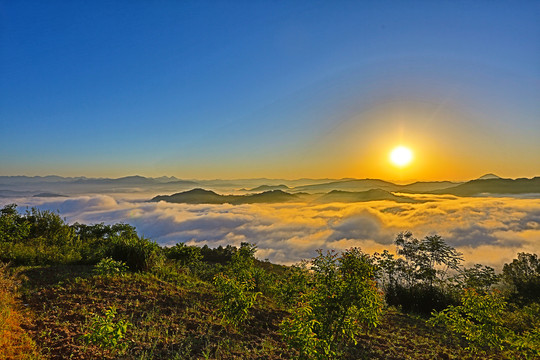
(487,230)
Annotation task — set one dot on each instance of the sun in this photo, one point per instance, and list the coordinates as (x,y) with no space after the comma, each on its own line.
(401,156)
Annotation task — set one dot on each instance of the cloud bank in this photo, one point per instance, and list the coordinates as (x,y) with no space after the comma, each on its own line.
(490,231)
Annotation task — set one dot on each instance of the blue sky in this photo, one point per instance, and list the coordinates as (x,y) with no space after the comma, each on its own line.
(267,88)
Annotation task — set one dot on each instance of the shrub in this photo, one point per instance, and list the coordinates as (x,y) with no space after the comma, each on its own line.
(342,300)
(108,266)
(106,333)
(36,237)
(139,254)
(525,324)
(236,297)
(185,255)
(299,330)
(479,320)
(293,284)
(419,298)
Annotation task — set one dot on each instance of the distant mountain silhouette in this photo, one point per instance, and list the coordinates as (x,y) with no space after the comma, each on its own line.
(489,176)
(279,190)
(494,186)
(425,186)
(166,179)
(268,188)
(127,180)
(181,182)
(14,193)
(23,180)
(348,185)
(362,196)
(201,196)
(46,194)
(370,184)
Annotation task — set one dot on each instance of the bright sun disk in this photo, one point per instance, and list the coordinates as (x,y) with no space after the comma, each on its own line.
(401,156)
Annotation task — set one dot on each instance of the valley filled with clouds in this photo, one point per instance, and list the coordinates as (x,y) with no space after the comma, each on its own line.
(488,230)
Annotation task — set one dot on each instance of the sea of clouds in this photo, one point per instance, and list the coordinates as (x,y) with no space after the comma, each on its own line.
(488,230)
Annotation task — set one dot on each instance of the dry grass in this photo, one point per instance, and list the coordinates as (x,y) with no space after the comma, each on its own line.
(14,341)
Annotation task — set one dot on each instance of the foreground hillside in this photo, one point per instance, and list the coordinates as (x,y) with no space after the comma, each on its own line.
(178,319)
(101,291)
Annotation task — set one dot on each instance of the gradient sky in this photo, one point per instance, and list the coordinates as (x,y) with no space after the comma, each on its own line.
(226,89)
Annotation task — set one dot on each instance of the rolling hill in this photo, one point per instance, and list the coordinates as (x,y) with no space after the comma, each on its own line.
(201,196)
(494,186)
(363,196)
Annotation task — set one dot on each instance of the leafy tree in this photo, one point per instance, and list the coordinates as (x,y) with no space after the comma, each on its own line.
(416,279)
(48,227)
(428,259)
(523,274)
(185,255)
(13,227)
(220,255)
(478,277)
(242,261)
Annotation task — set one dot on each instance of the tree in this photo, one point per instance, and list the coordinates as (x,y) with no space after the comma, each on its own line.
(13,227)
(523,274)
(479,277)
(415,278)
(427,259)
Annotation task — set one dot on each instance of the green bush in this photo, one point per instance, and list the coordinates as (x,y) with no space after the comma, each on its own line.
(139,254)
(342,301)
(525,325)
(293,284)
(108,266)
(36,238)
(185,255)
(236,297)
(106,333)
(299,330)
(479,320)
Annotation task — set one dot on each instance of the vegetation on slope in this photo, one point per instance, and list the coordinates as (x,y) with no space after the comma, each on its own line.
(101,291)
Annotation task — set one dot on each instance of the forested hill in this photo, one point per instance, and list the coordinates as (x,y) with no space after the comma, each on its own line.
(201,196)
(494,186)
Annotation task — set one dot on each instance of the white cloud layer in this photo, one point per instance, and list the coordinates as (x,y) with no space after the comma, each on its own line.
(490,231)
